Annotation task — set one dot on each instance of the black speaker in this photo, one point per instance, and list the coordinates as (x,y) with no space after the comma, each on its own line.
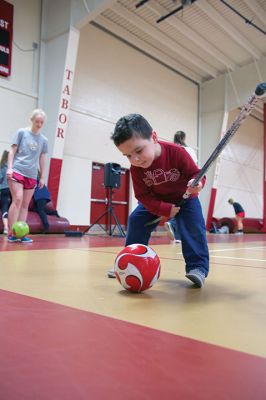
(112,172)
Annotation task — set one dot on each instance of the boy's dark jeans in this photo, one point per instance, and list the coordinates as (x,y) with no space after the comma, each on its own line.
(191,226)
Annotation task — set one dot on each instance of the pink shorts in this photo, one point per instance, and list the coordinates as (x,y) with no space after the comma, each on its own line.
(28,183)
(241,214)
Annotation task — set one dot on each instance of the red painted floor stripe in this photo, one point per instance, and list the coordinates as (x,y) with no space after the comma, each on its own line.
(52,352)
(46,242)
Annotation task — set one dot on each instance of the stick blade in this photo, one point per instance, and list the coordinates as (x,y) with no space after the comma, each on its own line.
(154,221)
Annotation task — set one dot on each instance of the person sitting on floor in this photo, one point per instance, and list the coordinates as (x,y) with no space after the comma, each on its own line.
(41,197)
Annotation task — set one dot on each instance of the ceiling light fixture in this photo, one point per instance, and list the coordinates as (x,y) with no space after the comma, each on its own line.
(184,3)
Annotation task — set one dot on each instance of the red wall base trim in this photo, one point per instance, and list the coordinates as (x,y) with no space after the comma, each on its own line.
(211,208)
(54,178)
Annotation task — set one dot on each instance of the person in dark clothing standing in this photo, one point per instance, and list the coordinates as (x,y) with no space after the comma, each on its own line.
(240,215)
(41,198)
(5,194)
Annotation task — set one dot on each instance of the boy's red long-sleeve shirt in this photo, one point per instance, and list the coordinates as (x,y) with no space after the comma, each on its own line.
(165,181)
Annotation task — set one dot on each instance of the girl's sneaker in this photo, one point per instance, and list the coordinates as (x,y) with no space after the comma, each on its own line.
(26,239)
(169,230)
(5,231)
(13,239)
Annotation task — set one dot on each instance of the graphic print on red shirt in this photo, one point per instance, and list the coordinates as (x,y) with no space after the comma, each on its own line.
(159,176)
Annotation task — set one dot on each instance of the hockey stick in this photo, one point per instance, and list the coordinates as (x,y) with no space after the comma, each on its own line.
(244,113)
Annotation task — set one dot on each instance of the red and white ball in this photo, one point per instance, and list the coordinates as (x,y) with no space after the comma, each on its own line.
(137,267)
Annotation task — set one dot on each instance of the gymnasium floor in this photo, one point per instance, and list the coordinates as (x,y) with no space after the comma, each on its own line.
(67,332)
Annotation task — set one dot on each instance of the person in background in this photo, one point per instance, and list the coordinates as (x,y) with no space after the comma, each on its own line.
(214,229)
(5,195)
(171,225)
(180,138)
(239,215)
(27,154)
(41,197)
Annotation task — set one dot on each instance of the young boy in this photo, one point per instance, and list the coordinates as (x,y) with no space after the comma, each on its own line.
(161,173)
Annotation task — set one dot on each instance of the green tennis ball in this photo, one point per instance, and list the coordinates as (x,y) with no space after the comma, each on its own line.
(20,229)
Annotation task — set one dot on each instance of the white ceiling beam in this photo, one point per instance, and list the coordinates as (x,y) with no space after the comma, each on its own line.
(228,27)
(254,6)
(180,26)
(259,107)
(85,11)
(258,113)
(143,46)
(164,39)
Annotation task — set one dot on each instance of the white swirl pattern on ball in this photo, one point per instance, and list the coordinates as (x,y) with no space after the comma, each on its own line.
(128,271)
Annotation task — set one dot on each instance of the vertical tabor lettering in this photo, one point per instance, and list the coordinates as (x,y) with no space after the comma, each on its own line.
(60,133)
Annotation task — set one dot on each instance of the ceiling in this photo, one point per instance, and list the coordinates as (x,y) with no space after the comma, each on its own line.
(202,41)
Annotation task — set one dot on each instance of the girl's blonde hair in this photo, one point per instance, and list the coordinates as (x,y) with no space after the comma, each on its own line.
(4,158)
(37,111)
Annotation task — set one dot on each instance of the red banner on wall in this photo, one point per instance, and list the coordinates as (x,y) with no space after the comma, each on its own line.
(6,35)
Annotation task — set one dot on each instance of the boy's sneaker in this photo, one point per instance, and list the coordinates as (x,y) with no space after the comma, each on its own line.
(13,239)
(196,276)
(111,273)
(5,231)
(26,239)
(169,230)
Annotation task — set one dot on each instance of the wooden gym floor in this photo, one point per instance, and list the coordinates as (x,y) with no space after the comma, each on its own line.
(67,332)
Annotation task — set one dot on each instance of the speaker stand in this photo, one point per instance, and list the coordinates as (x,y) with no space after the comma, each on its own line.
(110,213)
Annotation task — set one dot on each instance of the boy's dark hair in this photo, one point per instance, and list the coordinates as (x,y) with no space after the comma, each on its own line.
(180,138)
(131,125)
